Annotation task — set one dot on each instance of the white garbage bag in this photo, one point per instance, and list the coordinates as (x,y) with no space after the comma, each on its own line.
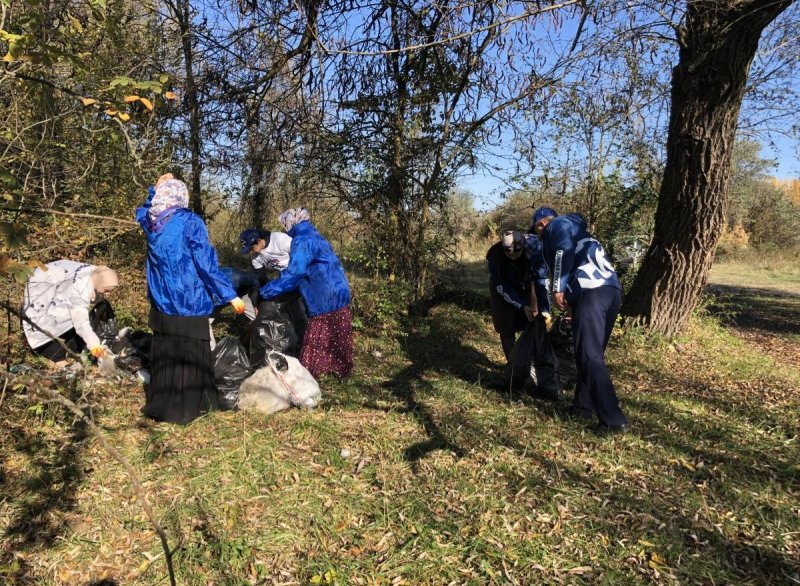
(283,383)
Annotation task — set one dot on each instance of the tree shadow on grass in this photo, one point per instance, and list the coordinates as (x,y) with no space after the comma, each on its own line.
(721,469)
(434,345)
(42,497)
(725,452)
(753,308)
(717,467)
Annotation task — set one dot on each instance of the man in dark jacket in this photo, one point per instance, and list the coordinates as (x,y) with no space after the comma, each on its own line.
(513,300)
(585,284)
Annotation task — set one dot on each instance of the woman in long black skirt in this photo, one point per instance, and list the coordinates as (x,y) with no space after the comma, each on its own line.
(184,284)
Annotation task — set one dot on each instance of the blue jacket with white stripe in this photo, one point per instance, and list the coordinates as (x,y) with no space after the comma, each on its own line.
(576,259)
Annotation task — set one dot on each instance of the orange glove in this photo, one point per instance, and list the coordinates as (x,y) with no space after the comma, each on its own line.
(98,351)
(238,305)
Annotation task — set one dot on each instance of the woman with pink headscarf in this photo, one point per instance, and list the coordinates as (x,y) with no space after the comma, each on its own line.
(184,284)
(315,270)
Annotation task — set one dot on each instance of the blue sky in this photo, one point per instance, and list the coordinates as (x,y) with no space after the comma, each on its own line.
(488,189)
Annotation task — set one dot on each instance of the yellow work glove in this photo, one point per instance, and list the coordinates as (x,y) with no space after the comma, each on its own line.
(98,351)
(548,320)
(238,305)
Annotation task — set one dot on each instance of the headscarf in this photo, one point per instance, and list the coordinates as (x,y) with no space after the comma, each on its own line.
(293,216)
(104,277)
(171,194)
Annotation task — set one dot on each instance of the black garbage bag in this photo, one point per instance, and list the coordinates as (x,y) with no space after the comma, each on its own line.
(132,351)
(534,359)
(299,317)
(103,321)
(231,367)
(273,331)
(564,346)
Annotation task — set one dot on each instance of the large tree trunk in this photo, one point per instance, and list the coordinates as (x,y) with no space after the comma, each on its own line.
(717,46)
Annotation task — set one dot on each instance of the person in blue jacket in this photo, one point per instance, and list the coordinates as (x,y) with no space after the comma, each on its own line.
(539,273)
(585,284)
(315,270)
(184,283)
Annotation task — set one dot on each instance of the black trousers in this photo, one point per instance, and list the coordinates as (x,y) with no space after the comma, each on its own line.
(507,320)
(593,318)
(53,350)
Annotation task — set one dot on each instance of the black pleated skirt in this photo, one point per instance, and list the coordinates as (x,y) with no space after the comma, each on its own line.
(181,369)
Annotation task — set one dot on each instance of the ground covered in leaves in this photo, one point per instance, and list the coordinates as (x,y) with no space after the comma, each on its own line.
(413,471)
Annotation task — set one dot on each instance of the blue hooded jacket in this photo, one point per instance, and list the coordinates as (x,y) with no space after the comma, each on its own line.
(315,270)
(576,259)
(183,276)
(538,271)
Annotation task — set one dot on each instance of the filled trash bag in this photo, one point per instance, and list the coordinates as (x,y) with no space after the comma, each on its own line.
(534,359)
(563,344)
(103,321)
(283,383)
(273,331)
(132,350)
(231,367)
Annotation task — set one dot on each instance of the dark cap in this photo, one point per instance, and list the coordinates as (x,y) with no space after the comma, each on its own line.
(541,213)
(248,238)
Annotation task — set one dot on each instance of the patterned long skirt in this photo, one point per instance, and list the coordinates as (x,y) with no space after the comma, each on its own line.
(328,343)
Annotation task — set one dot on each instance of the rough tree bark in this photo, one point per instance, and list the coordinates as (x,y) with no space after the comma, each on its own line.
(717,45)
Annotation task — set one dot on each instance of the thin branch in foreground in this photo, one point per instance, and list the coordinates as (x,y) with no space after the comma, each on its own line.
(69,214)
(56,397)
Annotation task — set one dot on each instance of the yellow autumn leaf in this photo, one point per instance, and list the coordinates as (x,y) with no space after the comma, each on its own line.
(124,116)
(76,24)
(111,112)
(147,103)
(131,98)
(88,101)
(656,559)
(171,95)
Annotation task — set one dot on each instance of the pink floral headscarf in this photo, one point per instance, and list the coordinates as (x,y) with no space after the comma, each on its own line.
(293,216)
(172,193)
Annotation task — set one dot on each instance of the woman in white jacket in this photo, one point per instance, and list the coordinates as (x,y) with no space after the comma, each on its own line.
(57,300)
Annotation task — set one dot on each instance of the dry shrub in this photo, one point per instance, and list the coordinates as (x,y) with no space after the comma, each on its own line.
(733,240)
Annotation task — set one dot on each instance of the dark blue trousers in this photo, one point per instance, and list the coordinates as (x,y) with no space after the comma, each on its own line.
(593,318)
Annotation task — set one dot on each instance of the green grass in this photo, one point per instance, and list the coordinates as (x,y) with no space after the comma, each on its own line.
(768,270)
(447,482)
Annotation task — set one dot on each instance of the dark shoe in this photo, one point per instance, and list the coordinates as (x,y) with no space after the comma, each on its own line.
(605,429)
(504,383)
(550,394)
